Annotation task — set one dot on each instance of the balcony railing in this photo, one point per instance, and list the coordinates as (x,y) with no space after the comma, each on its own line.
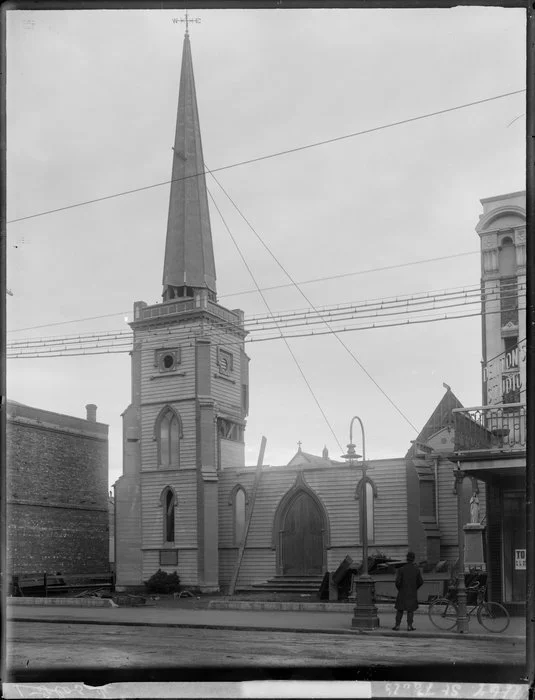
(500,428)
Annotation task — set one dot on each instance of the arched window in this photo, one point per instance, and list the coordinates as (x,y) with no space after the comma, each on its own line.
(370,511)
(239,516)
(168,433)
(366,488)
(168,502)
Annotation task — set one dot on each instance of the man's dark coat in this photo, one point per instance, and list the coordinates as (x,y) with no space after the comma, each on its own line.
(408,581)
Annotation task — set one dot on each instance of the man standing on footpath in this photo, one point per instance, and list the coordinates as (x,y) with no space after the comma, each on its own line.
(408,581)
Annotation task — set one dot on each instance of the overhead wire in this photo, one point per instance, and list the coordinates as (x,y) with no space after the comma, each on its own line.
(264,289)
(352,274)
(310,303)
(351,353)
(335,314)
(375,326)
(274,155)
(503,352)
(269,310)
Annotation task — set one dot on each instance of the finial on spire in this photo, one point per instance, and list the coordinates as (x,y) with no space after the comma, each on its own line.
(299,445)
(187,20)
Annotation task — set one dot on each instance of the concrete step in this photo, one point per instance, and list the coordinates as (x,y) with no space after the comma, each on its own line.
(297,579)
(284,589)
(290,584)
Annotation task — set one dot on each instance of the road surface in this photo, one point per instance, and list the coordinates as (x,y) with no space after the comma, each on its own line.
(37,648)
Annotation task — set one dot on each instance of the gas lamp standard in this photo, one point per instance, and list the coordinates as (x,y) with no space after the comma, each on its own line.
(365,613)
(462,617)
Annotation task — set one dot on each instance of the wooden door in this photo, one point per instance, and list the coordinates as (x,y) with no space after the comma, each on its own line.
(302,538)
(514,546)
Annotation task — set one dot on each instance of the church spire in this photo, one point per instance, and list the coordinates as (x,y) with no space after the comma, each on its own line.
(189,255)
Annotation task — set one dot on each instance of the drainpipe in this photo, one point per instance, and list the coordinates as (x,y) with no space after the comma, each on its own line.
(436,493)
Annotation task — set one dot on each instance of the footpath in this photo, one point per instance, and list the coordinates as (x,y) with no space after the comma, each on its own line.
(224,615)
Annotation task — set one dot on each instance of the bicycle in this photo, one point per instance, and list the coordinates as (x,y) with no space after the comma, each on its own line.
(443,612)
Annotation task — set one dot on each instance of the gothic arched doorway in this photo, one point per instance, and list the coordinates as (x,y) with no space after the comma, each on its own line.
(301,537)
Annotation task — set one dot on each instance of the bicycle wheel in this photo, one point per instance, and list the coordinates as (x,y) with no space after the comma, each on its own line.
(493,617)
(443,614)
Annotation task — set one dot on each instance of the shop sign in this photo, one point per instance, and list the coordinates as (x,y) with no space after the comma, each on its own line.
(499,373)
(520,559)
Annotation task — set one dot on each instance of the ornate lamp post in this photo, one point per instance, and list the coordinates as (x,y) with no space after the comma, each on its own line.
(365,613)
(462,619)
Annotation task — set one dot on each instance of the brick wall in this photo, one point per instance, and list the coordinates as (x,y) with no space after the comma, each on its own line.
(43,538)
(57,499)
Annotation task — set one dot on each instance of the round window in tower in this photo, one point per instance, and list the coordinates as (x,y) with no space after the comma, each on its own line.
(168,361)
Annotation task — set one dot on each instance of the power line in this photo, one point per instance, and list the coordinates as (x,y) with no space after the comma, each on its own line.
(352,274)
(63,323)
(273,155)
(254,318)
(264,289)
(28,351)
(312,305)
(269,310)
(375,326)
(444,299)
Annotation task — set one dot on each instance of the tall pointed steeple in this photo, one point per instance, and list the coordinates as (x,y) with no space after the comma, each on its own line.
(189,255)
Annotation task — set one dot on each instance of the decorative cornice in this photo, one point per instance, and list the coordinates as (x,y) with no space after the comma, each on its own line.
(40,425)
(486,219)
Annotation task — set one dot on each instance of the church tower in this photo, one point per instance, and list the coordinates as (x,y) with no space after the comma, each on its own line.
(189,400)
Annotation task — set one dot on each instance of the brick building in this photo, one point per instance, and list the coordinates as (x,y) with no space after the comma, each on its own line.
(57,492)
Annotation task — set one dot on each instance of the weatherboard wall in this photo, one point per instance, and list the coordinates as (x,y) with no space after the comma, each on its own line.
(335,487)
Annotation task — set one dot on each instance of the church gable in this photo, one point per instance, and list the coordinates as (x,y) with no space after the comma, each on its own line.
(306,459)
(441,418)
(443,440)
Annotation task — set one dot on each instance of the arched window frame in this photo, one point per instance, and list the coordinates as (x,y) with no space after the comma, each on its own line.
(168,503)
(168,413)
(370,505)
(507,256)
(232,501)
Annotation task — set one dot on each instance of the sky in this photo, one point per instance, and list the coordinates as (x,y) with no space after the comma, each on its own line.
(91,109)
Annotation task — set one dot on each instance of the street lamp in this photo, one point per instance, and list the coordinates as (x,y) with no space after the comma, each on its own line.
(365,613)
(462,618)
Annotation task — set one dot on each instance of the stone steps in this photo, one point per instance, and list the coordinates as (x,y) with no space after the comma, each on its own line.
(289,584)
